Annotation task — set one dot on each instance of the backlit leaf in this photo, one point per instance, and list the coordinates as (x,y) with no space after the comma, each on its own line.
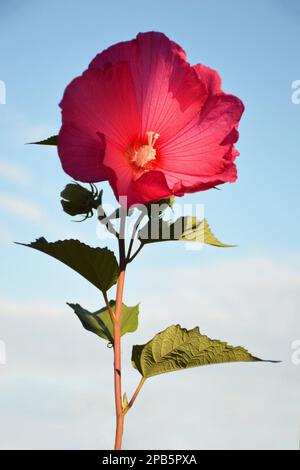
(187,229)
(177,348)
(98,265)
(100,322)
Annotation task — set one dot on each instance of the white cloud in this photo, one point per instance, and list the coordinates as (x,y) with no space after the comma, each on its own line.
(20,207)
(31,308)
(233,298)
(15,172)
(22,126)
(5,236)
(57,388)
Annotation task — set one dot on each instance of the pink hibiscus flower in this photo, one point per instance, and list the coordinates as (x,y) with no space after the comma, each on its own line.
(147,121)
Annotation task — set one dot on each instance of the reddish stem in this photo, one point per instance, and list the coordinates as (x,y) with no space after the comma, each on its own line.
(134,397)
(117,321)
(117,362)
(117,339)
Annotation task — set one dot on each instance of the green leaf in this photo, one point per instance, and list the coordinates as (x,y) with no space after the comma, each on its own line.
(100,322)
(50,141)
(200,231)
(98,265)
(177,348)
(187,229)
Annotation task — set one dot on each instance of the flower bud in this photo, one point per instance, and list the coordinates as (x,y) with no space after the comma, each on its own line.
(78,200)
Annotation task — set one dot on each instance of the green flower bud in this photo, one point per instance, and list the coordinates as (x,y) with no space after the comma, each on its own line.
(78,200)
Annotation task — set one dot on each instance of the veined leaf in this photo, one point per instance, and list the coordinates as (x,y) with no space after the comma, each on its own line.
(187,229)
(50,141)
(100,322)
(177,348)
(98,265)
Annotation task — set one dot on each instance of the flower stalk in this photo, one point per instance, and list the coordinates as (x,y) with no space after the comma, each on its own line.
(117,323)
(117,363)
(117,335)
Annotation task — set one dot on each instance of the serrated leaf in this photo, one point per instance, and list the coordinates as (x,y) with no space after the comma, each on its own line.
(50,141)
(177,348)
(100,322)
(98,265)
(187,229)
(200,231)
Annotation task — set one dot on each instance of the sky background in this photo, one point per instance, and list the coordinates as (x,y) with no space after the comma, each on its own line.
(56,387)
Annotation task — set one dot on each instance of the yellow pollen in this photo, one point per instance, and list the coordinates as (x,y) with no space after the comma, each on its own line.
(146,153)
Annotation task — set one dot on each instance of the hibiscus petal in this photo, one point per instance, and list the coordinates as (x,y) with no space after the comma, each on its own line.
(128,188)
(199,153)
(210,77)
(151,186)
(182,184)
(97,103)
(104,102)
(229,175)
(123,51)
(140,86)
(81,153)
(168,90)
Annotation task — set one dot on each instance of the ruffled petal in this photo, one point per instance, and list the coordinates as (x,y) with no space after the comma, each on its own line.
(97,104)
(182,184)
(123,51)
(140,86)
(168,90)
(210,77)
(150,186)
(81,153)
(200,152)
(104,102)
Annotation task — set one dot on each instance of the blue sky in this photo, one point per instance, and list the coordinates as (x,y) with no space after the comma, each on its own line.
(254,47)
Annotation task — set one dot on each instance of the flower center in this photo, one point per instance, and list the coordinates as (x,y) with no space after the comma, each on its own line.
(145,153)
